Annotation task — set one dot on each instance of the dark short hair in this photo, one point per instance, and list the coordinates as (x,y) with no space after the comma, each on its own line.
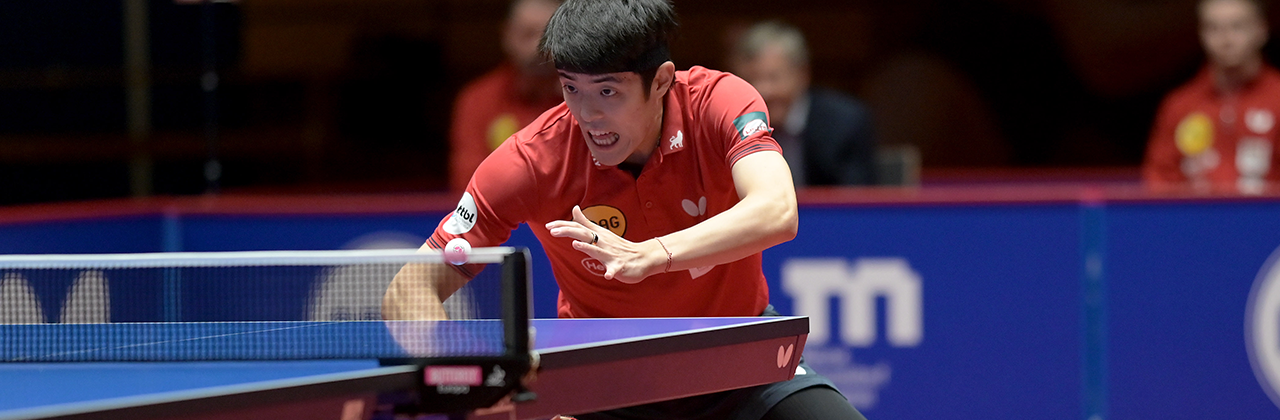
(611,36)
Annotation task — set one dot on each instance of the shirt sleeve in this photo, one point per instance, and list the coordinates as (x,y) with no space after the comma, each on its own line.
(1162,165)
(739,117)
(496,201)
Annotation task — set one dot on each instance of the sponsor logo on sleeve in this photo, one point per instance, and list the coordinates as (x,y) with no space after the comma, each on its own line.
(463,217)
(751,123)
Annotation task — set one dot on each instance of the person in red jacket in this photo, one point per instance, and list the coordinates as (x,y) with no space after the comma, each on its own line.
(652,191)
(492,107)
(1218,132)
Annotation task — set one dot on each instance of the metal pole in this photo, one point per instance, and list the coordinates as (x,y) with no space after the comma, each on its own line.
(137,66)
(209,84)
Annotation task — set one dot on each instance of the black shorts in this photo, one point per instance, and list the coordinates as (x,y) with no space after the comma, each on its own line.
(741,404)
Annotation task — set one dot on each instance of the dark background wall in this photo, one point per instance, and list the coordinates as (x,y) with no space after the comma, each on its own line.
(355,95)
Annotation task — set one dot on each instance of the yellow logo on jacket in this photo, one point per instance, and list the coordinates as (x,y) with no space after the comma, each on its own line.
(1194,134)
(500,129)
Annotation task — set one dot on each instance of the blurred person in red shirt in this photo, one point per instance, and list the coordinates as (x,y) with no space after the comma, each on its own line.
(1218,131)
(491,108)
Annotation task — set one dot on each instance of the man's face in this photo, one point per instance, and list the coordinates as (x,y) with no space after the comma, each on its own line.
(778,79)
(618,122)
(1232,32)
(523,30)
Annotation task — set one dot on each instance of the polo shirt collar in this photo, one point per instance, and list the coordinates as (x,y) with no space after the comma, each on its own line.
(674,138)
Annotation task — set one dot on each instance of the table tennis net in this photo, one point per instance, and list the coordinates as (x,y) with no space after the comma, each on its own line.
(261,305)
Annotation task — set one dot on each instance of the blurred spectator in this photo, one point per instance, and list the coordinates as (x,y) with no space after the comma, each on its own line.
(1219,130)
(826,136)
(495,106)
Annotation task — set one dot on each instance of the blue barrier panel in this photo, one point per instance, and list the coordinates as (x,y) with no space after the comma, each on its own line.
(1179,279)
(139,233)
(999,290)
(304,232)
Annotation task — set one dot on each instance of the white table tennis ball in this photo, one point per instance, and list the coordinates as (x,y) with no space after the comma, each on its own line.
(455,252)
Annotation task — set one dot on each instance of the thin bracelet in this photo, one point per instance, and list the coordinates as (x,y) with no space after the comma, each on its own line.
(664,248)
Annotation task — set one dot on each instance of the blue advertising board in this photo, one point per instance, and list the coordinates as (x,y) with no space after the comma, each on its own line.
(1178,278)
(1126,308)
(972,309)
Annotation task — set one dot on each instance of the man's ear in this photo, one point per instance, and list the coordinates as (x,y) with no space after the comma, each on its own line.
(663,79)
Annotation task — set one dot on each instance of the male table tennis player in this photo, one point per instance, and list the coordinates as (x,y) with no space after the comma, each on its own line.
(1218,131)
(653,192)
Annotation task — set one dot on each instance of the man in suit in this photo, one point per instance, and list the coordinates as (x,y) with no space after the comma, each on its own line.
(826,136)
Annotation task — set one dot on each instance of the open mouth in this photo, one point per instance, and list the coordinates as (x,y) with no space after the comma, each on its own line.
(603,138)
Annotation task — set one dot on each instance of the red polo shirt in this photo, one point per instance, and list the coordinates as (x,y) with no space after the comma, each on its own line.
(711,120)
(1205,137)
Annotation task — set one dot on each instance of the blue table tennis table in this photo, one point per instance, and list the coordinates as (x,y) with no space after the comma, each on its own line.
(585,365)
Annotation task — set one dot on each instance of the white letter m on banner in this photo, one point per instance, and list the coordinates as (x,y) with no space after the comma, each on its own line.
(813,282)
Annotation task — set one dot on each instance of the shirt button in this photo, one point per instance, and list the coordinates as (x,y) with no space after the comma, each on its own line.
(648,204)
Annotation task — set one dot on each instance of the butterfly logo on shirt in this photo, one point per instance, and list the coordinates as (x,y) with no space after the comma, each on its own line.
(697,210)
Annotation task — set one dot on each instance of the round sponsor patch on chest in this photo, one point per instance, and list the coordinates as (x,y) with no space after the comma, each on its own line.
(500,129)
(1194,134)
(608,217)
